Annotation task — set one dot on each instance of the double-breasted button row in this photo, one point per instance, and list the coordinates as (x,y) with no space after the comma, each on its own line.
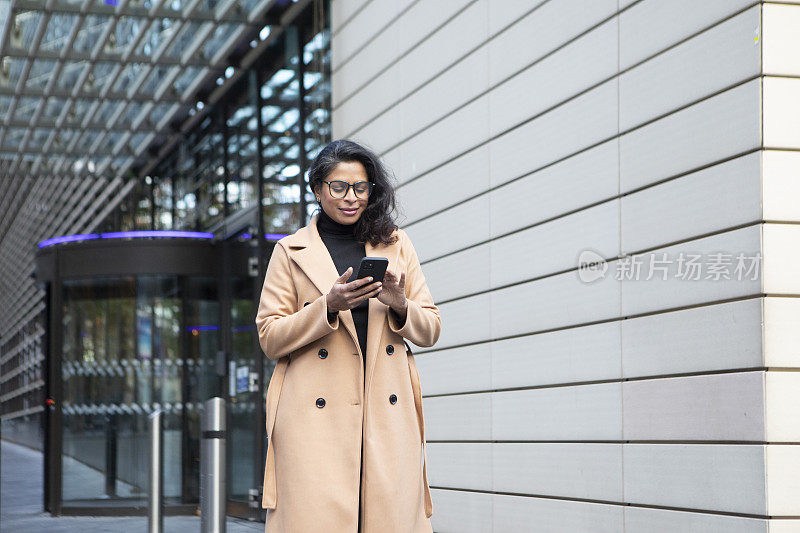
(390,349)
(323,353)
(392,400)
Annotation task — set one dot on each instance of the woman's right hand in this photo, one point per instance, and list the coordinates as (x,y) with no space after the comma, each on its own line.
(344,296)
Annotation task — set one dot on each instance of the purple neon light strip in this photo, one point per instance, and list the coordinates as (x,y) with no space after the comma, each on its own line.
(68,238)
(126,235)
(202,328)
(167,233)
(275,236)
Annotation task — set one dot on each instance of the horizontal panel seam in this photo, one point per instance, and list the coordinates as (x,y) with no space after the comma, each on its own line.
(604,321)
(611,502)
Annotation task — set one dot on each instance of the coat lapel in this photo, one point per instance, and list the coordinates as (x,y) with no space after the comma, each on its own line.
(309,252)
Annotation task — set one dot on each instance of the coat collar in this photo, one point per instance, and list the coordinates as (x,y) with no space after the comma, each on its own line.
(306,248)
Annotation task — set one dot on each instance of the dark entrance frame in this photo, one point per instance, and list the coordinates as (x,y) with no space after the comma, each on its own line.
(103,258)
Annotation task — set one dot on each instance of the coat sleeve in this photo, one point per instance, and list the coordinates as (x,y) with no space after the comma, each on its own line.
(282,329)
(423,322)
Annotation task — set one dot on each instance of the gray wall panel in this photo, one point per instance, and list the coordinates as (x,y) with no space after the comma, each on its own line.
(365,24)
(342,11)
(653,25)
(712,337)
(464,325)
(669,289)
(555,246)
(402,34)
(586,471)
(577,66)
(464,465)
(581,412)
(709,131)
(586,353)
(463,369)
(583,179)
(713,199)
(433,55)
(446,186)
(503,14)
(460,222)
(542,31)
(444,140)
(523,133)
(515,514)
(642,520)
(459,511)
(528,307)
(567,129)
(713,477)
(723,407)
(459,274)
(459,417)
(709,62)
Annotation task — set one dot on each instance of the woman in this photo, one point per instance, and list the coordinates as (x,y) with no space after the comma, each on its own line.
(345,425)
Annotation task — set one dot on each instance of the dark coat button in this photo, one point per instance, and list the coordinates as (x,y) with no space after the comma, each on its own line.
(390,349)
(323,353)
(305,304)
(320,402)
(393,399)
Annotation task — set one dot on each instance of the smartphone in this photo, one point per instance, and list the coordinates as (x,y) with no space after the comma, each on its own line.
(373,266)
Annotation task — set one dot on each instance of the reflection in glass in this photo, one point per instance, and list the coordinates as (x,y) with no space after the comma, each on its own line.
(127,350)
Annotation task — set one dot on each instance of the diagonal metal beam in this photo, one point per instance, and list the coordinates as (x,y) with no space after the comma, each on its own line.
(11,150)
(101,9)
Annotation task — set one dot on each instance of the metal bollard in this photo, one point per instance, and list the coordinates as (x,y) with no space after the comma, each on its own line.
(212,467)
(155,497)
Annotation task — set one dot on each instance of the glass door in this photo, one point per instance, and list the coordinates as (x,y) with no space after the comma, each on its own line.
(246,444)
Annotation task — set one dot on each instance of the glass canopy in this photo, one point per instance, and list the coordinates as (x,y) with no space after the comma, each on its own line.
(86,86)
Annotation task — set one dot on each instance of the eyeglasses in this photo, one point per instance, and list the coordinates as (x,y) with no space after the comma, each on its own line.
(339,189)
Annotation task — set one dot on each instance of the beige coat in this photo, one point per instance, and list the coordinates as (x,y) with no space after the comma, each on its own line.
(319,410)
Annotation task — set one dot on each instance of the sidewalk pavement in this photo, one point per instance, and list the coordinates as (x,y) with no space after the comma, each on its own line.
(21,503)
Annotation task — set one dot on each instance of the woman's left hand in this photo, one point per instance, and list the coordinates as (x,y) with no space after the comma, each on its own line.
(393,291)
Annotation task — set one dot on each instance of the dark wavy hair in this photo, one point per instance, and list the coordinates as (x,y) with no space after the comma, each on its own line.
(377,223)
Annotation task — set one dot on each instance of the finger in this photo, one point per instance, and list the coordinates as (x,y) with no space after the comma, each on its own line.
(346,275)
(369,288)
(360,282)
(367,295)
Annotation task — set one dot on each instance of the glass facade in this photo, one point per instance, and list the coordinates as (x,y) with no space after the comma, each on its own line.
(254,144)
(120,345)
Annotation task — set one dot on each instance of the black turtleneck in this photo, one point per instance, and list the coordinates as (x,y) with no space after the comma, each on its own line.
(346,251)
